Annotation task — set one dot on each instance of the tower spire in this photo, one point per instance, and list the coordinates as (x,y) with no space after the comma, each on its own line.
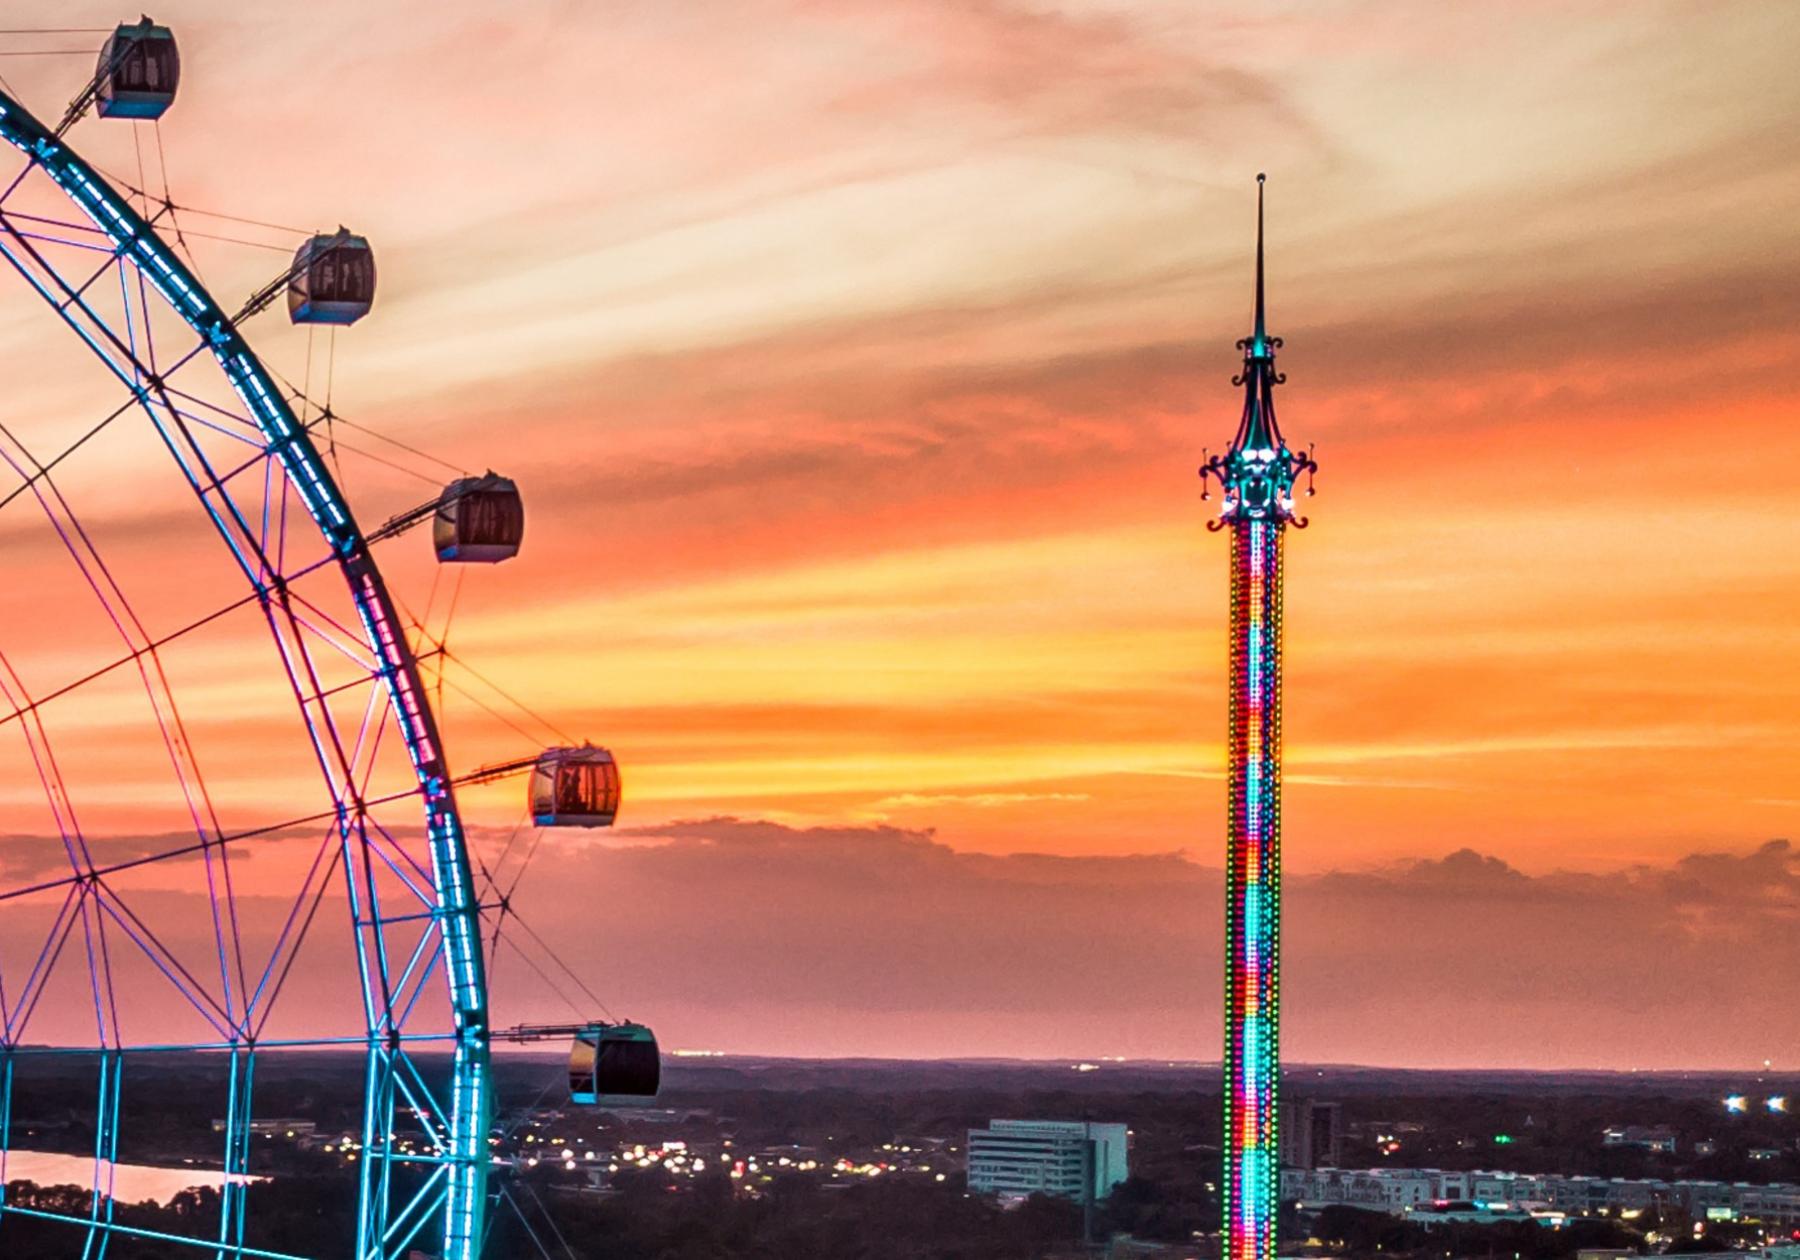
(1258,472)
(1258,429)
(1262,330)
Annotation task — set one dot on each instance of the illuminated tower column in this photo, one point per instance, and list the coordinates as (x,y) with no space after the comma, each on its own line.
(1256,478)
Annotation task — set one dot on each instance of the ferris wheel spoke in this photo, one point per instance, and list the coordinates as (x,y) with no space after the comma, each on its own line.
(418,964)
(332,632)
(400,854)
(413,1216)
(44,469)
(44,238)
(99,967)
(44,964)
(418,1097)
(425,974)
(385,857)
(147,389)
(252,523)
(313,698)
(67,298)
(372,929)
(119,611)
(150,387)
(164,960)
(73,294)
(12,187)
(128,274)
(49,774)
(220,412)
(25,708)
(429,1042)
(240,434)
(99,239)
(419,1101)
(368,740)
(85,875)
(296,928)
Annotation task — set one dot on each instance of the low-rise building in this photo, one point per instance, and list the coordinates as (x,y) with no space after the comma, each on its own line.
(1312,1134)
(1401,1191)
(276,1127)
(1068,1159)
(1659,1138)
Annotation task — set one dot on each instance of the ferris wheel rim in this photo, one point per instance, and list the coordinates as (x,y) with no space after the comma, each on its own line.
(287,441)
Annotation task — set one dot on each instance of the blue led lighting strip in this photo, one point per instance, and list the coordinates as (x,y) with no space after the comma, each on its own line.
(464,1193)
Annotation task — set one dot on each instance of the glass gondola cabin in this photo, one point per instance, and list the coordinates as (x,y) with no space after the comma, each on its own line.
(332,280)
(139,68)
(479,520)
(575,787)
(616,1059)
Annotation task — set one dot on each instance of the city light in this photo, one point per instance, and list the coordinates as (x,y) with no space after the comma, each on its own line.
(1736,1102)
(1777,1103)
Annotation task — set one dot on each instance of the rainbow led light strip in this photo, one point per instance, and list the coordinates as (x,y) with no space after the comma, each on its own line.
(1257,477)
(1253,891)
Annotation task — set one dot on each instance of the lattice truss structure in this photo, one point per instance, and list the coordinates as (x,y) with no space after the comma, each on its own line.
(1257,477)
(227,819)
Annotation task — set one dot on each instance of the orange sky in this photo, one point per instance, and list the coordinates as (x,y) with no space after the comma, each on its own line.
(856,360)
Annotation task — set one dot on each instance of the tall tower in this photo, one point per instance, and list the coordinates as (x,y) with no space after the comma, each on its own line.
(1256,478)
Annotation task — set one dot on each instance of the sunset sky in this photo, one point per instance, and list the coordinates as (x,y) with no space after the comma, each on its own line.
(855,360)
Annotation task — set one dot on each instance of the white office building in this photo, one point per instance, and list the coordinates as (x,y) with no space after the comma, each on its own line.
(1066,1158)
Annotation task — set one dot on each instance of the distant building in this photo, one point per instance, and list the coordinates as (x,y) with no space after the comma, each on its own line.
(1125,1247)
(1067,1159)
(1312,1134)
(1659,1138)
(1405,1191)
(1465,1213)
(294,1128)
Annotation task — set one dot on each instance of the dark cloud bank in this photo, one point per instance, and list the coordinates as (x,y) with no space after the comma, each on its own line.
(753,936)
(841,940)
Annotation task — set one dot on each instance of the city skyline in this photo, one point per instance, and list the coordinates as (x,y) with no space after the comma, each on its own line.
(856,402)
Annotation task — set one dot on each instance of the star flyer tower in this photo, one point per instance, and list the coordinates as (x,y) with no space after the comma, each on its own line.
(1256,480)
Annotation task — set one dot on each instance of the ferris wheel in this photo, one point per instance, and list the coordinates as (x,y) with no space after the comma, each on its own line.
(228,826)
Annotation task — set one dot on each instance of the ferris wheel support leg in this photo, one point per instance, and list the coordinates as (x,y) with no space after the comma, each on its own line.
(106,1137)
(378,1113)
(232,1193)
(6,1094)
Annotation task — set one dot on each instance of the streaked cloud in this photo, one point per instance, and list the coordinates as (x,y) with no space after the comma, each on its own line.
(856,361)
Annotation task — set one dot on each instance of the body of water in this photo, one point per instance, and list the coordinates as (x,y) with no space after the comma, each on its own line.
(129,1183)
